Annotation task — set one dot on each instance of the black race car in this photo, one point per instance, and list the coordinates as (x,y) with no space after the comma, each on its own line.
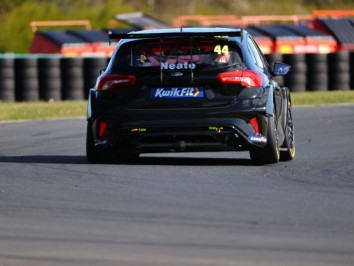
(189,89)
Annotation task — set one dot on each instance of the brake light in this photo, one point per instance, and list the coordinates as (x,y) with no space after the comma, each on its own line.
(254,123)
(107,82)
(247,78)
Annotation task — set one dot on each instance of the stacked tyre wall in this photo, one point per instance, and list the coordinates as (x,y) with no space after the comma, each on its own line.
(34,78)
(317,72)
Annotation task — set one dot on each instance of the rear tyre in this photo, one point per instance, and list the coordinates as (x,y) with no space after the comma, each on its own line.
(95,156)
(270,153)
(288,152)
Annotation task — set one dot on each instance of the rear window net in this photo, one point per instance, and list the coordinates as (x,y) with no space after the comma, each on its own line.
(180,53)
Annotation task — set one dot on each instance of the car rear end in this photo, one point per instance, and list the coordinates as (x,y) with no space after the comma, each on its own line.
(193,93)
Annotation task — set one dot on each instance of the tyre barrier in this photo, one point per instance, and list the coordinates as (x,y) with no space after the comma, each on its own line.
(49,75)
(351,71)
(92,68)
(7,80)
(72,78)
(317,72)
(34,78)
(339,70)
(297,78)
(26,80)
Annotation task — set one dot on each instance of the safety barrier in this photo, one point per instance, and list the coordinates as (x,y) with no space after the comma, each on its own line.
(26,79)
(7,79)
(297,78)
(48,77)
(92,67)
(339,68)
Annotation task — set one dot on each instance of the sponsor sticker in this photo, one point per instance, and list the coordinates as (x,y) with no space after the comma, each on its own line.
(171,93)
(257,138)
(217,129)
(184,65)
(138,129)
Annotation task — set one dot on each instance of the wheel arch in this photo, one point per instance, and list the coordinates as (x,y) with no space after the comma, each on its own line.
(90,104)
(270,101)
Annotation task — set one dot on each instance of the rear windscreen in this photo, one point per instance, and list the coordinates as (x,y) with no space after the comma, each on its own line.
(179,54)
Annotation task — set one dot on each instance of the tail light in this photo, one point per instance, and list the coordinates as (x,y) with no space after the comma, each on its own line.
(247,78)
(107,82)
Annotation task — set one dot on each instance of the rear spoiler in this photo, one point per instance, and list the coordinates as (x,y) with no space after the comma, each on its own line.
(177,34)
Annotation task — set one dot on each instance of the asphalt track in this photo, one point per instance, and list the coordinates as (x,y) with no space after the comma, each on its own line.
(208,209)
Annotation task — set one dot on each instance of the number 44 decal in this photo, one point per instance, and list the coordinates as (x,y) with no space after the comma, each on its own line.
(221,50)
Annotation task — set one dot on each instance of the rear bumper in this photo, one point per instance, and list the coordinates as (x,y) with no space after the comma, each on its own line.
(225,128)
(153,137)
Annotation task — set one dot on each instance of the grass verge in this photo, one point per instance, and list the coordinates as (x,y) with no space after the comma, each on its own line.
(42,110)
(67,109)
(322,97)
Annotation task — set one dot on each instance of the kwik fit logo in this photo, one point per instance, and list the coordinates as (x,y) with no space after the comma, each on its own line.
(188,92)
